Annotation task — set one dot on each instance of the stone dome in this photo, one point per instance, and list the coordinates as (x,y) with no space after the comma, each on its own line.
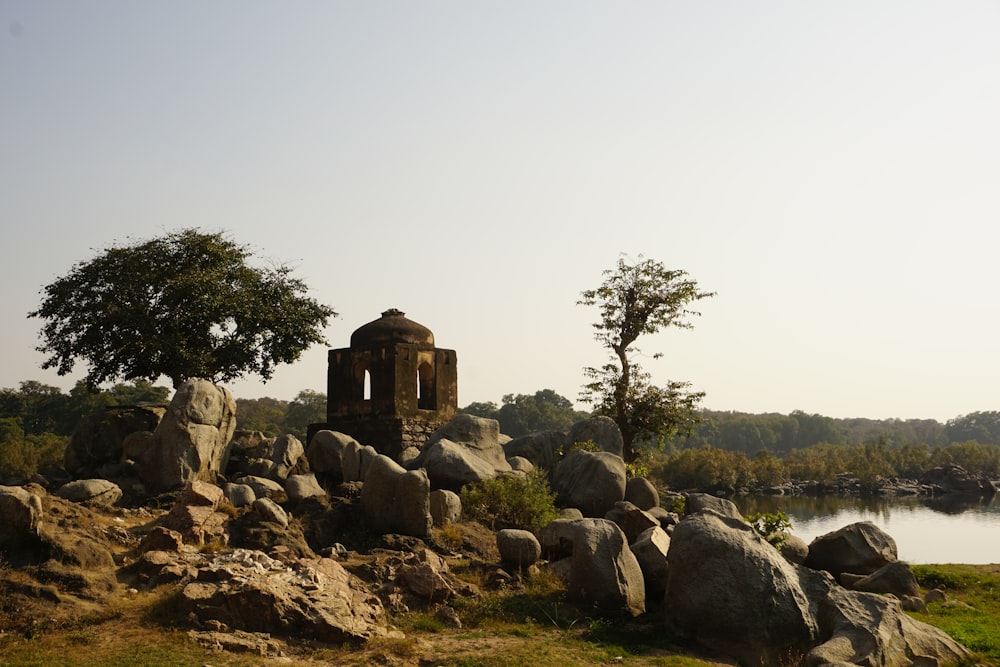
(392,327)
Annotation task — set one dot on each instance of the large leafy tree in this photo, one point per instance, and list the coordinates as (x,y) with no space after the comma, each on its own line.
(187,304)
(635,299)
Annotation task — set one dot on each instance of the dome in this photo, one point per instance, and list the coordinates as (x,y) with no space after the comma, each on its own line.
(391,328)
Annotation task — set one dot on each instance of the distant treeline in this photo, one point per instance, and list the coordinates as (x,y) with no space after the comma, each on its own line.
(781,434)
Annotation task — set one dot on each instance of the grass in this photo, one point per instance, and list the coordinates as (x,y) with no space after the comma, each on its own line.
(971,612)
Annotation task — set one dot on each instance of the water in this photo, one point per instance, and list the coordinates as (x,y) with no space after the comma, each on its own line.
(925,530)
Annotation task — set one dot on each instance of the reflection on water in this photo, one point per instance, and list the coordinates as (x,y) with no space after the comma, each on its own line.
(926,530)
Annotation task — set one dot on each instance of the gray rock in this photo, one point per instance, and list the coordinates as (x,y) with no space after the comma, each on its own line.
(451,465)
(640,492)
(239,495)
(20,512)
(895,578)
(264,487)
(858,548)
(366,456)
(650,550)
(719,571)
(602,431)
(590,481)
(98,438)
(543,449)
(632,520)
(696,502)
(520,464)
(479,435)
(556,538)
(396,500)
(191,442)
(446,507)
(518,548)
(285,454)
(794,549)
(407,457)
(326,455)
(603,571)
(298,487)
(93,492)
(270,511)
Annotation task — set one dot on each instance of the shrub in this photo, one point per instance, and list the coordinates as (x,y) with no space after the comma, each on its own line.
(511,501)
(773,527)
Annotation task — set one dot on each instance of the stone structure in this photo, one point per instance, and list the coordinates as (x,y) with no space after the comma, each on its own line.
(391,388)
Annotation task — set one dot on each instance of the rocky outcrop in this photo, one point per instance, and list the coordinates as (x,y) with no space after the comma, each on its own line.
(728,589)
(191,441)
(601,431)
(315,599)
(97,439)
(396,500)
(640,492)
(590,481)
(478,435)
(451,465)
(952,478)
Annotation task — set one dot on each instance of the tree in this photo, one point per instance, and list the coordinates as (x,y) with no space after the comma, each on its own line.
(545,410)
(184,305)
(636,299)
(308,407)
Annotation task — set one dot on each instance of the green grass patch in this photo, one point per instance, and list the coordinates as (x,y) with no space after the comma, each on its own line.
(971,612)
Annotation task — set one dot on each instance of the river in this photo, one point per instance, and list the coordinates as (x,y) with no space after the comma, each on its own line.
(925,530)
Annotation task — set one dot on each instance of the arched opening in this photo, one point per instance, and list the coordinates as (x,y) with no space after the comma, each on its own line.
(367,391)
(362,381)
(426,400)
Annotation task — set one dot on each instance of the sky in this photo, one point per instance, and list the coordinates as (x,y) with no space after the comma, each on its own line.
(830,169)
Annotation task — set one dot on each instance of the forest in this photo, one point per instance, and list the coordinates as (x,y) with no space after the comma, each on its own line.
(727,450)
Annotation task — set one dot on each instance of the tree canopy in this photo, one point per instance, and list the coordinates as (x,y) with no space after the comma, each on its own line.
(187,304)
(636,299)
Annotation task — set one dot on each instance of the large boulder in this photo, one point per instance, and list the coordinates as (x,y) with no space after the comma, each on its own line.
(650,550)
(446,507)
(298,487)
(602,431)
(93,492)
(396,500)
(632,520)
(858,548)
(590,481)
(327,452)
(191,440)
(543,448)
(98,437)
(478,434)
(285,456)
(603,571)
(518,549)
(728,589)
(640,492)
(20,512)
(451,465)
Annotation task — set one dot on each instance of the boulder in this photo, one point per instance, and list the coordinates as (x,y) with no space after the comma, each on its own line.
(603,571)
(194,515)
(20,512)
(298,487)
(794,549)
(396,500)
(602,431)
(366,455)
(590,481)
(542,449)
(730,590)
(161,539)
(640,492)
(650,549)
(270,511)
(895,578)
(264,487)
(239,495)
(285,454)
(446,507)
(427,577)
(479,435)
(451,465)
(696,502)
(556,538)
(98,438)
(191,441)
(326,454)
(632,520)
(407,457)
(520,464)
(858,548)
(518,549)
(93,492)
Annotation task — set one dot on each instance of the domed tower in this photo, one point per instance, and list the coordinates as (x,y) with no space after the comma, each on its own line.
(391,388)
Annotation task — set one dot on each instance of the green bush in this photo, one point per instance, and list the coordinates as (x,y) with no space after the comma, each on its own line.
(773,527)
(511,502)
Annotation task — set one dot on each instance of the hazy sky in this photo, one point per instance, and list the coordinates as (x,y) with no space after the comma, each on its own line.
(831,169)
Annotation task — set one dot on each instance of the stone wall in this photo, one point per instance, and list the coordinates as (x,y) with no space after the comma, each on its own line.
(387,436)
